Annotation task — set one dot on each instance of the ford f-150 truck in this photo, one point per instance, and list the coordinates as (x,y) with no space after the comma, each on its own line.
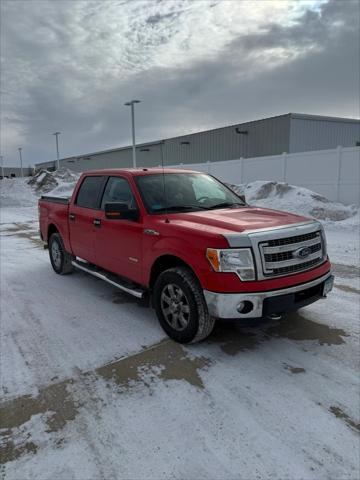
(190,244)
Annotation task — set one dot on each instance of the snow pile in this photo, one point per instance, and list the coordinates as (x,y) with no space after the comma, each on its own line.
(290,198)
(59,183)
(66,181)
(24,192)
(43,181)
(14,192)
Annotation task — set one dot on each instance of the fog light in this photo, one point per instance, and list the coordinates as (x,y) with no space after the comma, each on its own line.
(245,307)
(240,307)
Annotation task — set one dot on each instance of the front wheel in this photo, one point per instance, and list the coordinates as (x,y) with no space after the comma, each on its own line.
(60,259)
(180,306)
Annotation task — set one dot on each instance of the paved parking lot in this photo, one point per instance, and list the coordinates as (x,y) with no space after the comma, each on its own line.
(92,389)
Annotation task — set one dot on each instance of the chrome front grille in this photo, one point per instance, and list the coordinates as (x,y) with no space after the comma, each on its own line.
(293,239)
(291,254)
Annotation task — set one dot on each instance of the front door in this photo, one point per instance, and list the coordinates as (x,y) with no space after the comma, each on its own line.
(119,242)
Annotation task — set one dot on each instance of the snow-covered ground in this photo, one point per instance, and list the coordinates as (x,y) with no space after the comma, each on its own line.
(92,389)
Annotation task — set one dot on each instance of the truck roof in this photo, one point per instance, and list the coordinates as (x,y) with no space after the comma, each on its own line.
(137,171)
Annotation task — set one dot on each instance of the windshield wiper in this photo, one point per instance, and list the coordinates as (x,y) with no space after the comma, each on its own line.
(225,205)
(179,208)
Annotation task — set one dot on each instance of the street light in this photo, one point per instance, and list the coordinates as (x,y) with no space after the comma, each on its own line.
(21,167)
(131,104)
(57,149)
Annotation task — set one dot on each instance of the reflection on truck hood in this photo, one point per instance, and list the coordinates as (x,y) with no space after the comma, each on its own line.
(235,220)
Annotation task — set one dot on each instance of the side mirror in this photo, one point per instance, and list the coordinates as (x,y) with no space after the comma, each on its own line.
(242,198)
(120,211)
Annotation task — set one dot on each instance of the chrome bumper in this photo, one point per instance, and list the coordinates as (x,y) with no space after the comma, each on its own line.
(226,305)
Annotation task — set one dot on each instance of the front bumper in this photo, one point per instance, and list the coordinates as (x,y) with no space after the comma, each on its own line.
(261,304)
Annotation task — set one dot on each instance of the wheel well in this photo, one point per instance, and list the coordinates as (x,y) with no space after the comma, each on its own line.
(164,263)
(52,229)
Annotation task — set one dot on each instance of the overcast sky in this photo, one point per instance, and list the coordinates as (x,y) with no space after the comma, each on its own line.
(195,64)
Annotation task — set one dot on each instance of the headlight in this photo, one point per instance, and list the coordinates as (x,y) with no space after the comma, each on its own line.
(324,242)
(236,260)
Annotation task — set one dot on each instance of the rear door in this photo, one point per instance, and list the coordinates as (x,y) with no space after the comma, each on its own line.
(82,217)
(119,242)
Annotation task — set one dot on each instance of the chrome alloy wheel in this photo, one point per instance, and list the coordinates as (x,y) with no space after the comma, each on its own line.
(175,307)
(56,254)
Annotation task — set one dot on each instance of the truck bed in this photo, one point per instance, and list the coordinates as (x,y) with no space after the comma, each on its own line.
(53,214)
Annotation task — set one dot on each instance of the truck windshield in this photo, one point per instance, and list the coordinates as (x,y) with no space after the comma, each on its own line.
(182,192)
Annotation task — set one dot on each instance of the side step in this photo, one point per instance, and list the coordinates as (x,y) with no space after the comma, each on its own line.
(136,291)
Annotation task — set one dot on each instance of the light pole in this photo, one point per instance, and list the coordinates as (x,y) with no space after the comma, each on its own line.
(2,166)
(57,149)
(131,104)
(20,156)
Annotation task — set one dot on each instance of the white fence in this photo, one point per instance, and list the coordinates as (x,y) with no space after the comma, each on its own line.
(333,173)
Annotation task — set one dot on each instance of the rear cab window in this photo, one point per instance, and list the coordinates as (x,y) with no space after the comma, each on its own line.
(90,192)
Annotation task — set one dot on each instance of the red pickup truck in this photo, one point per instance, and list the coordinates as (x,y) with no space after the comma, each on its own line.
(188,242)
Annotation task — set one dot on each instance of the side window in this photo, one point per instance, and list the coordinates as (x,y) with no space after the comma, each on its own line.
(89,191)
(118,190)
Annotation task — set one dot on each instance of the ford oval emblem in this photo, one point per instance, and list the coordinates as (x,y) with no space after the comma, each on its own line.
(302,252)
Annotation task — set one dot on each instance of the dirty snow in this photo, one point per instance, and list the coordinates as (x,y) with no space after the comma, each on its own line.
(59,183)
(92,389)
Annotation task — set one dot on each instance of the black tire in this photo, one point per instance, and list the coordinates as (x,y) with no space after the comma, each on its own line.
(60,259)
(190,316)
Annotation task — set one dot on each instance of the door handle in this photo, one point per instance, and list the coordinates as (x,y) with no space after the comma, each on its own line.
(97,222)
(72,217)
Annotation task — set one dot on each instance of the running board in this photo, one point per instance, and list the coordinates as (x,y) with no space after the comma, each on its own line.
(137,292)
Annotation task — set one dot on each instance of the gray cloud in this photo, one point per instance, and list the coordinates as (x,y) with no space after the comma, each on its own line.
(309,65)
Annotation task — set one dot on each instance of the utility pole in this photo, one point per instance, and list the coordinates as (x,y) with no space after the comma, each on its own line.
(57,149)
(2,166)
(21,167)
(131,104)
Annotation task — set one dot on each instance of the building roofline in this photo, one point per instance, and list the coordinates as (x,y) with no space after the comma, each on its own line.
(307,116)
(100,152)
(157,142)
(234,125)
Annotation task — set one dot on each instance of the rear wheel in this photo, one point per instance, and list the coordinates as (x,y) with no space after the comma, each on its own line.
(180,306)
(60,259)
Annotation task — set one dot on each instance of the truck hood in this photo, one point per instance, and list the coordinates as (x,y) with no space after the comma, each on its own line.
(231,220)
